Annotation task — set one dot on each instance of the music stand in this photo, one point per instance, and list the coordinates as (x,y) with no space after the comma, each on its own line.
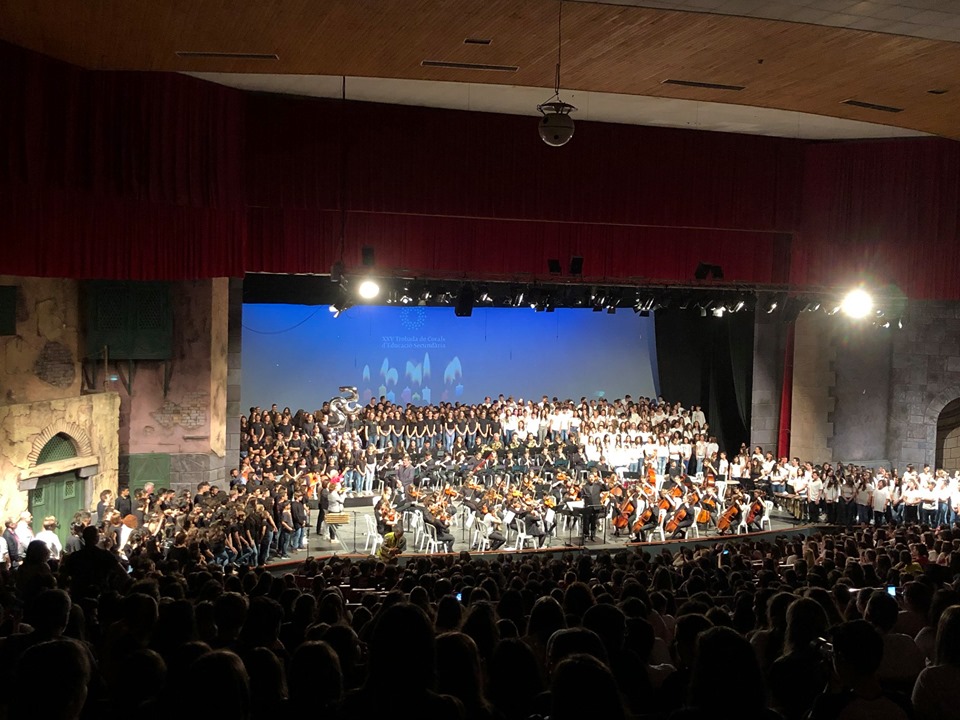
(582,514)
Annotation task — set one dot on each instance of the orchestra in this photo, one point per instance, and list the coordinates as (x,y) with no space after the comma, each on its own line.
(534,493)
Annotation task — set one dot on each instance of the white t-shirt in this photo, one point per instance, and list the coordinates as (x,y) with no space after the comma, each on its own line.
(815,490)
(52,541)
(880,497)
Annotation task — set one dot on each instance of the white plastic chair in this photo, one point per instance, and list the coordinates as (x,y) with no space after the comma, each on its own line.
(767,508)
(521,539)
(482,537)
(659,529)
(428,541)
(742,525)
(370,533)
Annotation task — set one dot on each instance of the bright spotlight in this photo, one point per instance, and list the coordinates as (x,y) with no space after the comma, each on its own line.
(857,304)
(368,290)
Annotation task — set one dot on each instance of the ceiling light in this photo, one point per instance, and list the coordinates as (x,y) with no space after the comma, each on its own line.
(556,125)
(857,304)
(368,290)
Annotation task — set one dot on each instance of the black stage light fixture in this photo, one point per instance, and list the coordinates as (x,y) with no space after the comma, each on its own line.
(367,254)
(706,270)
(576,265)
(554,265)
(464,306)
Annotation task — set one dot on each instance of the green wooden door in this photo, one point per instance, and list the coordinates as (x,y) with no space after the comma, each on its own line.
(149,467)
(59,495)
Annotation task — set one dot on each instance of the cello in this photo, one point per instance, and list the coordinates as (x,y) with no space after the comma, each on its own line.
(728,517)
(756,508)
(673,523)
(624,511)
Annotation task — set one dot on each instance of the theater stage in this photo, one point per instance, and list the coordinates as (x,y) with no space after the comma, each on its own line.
(352,540)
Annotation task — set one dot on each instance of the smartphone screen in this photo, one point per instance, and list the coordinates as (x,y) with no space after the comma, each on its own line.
(892,590)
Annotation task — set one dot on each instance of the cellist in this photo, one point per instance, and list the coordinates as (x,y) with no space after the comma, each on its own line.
(683,517)
(645,518)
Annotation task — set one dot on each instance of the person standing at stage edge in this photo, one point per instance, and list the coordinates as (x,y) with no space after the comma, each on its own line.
(591,503)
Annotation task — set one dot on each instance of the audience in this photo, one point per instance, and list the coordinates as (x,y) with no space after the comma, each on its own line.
(732,630)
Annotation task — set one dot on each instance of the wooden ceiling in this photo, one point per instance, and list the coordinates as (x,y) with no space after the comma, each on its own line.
(606,48)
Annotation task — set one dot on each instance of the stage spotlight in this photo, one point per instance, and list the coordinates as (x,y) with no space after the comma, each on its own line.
(333,309)
(368,290)
(857,304)
(718,311)
(406,299)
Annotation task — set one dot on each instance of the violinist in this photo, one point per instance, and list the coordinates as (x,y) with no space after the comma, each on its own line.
(444,535)
(532,520)
(385,513)
(494,523)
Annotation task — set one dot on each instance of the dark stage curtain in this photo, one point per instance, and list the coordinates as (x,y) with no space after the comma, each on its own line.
(708,361)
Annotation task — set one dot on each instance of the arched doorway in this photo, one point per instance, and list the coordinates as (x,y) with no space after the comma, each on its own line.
(948,437)
(59,495)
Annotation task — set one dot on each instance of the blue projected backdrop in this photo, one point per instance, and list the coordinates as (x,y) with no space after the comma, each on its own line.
(298,356)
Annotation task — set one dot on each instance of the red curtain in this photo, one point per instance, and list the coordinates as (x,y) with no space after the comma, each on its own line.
(475,165)
(887,212)
(83,235)
(140,175)
(786,395)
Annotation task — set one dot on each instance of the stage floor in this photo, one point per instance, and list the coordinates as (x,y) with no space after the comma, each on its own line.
(351,539)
